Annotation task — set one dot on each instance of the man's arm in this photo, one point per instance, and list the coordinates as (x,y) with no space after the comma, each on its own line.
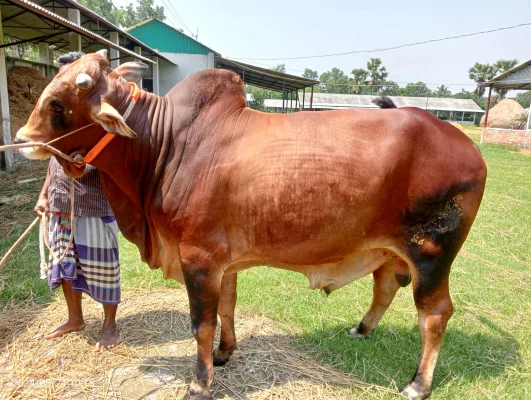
(43,205)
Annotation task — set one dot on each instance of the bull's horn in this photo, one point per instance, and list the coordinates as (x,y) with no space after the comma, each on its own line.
(84,81)
(102,52)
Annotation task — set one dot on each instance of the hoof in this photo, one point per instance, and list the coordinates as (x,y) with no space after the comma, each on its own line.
(195,392)
(409,392)
(197,397)
(221,360)
(356,333)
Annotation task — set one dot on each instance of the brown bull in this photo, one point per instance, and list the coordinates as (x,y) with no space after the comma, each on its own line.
(210,187)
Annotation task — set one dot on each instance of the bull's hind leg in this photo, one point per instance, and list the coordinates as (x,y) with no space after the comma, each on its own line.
(434,306)
(434,237)
(384,289)
(227,303)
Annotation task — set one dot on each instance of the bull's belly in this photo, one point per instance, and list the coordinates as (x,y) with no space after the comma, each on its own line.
(328,276)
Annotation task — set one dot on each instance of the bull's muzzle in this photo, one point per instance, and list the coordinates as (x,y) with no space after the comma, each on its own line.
(31,153)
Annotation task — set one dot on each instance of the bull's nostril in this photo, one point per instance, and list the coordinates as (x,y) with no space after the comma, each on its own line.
(18,141)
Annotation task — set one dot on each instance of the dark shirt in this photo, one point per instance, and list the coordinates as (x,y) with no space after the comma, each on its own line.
(89,198)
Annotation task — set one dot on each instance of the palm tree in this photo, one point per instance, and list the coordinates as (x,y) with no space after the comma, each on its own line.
(481,73)
(500,67)
(377,72)
(443,91)
(359,80)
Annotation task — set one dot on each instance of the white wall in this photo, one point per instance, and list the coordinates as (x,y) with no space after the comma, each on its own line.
(187,64)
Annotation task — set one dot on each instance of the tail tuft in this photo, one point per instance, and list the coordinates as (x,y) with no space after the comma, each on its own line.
(384,102)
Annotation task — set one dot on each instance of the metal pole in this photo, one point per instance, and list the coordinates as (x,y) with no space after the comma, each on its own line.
(304,94)
(486,117)
(528,115)
(311,100)
(463,117)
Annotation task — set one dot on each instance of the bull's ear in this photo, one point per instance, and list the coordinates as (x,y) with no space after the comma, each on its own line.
(111,120)
(132,71)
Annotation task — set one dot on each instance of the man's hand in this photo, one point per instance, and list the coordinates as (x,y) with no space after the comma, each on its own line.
(42,206)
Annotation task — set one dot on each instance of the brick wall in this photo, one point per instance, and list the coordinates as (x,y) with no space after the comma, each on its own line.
(509,137)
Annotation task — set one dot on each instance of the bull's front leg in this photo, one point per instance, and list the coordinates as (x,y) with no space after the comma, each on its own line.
(203,273)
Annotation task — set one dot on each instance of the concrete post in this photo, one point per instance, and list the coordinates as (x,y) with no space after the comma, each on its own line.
(138,50)
(115,54)
(6,158)
(74,38)
(156,86)
(44,57)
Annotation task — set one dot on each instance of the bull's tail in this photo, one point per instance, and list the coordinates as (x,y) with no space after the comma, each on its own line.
(384,102)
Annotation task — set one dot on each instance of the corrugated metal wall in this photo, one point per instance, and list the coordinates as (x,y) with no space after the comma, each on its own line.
(164,38)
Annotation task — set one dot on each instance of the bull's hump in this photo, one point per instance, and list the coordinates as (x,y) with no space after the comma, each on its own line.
(208,86)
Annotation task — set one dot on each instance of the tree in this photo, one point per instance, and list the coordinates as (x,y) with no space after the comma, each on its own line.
(145,9)
(359,80)
(481,73)
(279,68)
(377,71)
(310,74)
(335,81)
(443,91)
(390,88)
(524,98)
(500,67)
(419,89)
(104,8)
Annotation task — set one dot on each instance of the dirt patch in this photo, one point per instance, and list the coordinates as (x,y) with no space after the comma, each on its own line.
(155,357)
(18,199)
(525,152)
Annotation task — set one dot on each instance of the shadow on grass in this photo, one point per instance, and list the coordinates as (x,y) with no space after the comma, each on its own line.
(391,355)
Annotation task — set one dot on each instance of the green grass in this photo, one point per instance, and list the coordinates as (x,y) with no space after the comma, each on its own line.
(487,349)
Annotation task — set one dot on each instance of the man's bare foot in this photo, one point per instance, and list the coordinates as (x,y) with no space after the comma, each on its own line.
(108,338)
(68,326)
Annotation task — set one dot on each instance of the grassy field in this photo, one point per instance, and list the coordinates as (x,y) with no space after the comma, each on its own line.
(487,349)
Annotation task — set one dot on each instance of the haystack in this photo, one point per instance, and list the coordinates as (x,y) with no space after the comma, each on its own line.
(24,86)
(507,114)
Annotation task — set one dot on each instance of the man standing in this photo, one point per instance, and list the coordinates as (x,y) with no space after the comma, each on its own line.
(91,263)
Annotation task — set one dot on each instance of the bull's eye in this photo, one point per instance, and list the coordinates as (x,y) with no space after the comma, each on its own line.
(57,107)
(58,119)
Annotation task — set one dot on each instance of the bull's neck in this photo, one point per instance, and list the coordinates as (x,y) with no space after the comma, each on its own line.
(125,160)
(130,170)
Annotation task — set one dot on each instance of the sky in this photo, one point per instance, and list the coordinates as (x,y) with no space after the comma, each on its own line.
(276,28)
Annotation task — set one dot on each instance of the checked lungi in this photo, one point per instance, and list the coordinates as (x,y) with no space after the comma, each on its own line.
(91,263)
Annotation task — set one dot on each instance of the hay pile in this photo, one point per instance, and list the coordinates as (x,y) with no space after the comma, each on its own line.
(155,357)
(24,86)
(507,114)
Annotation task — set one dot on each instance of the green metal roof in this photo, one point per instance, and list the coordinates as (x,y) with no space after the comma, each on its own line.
(165,38)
